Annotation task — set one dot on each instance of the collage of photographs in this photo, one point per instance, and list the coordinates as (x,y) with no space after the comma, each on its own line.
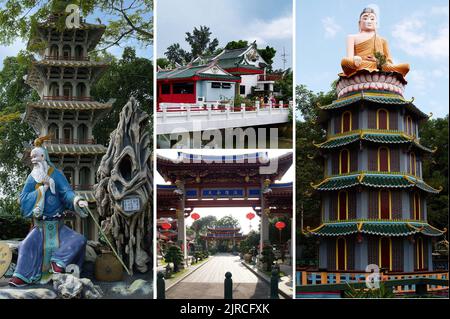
(224,149)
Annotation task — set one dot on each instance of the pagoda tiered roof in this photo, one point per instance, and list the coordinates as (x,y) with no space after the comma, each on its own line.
(69,105)
(375,227)
(76,149)
(378,97)
(376,136)
(374,179)
(196,71)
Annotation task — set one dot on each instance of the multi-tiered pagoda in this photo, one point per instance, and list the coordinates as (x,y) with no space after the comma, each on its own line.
(373,197)
(63,78)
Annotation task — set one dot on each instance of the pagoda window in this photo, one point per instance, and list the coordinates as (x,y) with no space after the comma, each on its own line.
(53,130)
(384,161)
(341,253)
(69,173)
(344,162)
(384,204)
(85,178)
(183,88)
(82,134)
(382,119)
(215,85)
(420,254)
(342,205)
(81,90)
(68,134)
(67,91)
(165,89)
(385,253)
(242,89)
(54,89)
(79,52)
(417,207)
(226,85)
(346,122)
(67,52)
(409,126)
(412,164)
(54,52)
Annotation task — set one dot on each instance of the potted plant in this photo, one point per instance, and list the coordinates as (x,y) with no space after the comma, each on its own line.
(174,255)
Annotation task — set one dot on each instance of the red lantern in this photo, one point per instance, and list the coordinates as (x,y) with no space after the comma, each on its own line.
(250,216)
(280,225)
(166,226)
(195,216)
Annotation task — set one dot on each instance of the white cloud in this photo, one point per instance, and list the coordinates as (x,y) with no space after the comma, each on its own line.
(418,38)
(264,31)
(331,27)
(11,50)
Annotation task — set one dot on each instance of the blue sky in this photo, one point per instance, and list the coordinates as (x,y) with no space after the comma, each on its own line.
(20,44)
(417,31)
(268,22)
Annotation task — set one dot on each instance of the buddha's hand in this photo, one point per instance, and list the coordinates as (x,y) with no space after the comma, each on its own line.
(357,60)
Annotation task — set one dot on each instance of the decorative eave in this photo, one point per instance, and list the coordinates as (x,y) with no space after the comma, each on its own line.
(375,97)
(70,105)
(374,179)
(375,227)
(375,136)
(74,149)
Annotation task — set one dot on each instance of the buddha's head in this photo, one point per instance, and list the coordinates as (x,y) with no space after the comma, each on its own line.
(368,20)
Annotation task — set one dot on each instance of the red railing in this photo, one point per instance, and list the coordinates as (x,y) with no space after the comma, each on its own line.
(67,98)
(270,77)
(221,108)
(73,141)
(66,58)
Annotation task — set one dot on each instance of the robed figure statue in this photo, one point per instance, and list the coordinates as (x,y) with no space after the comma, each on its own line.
(50,246)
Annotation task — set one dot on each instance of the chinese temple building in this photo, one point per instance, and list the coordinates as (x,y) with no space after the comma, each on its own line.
(373,197)
(196,83)
(222,77)
(228,235)
(63,78)
(206,181)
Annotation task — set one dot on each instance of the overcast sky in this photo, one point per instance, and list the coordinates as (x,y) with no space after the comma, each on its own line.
(237,212)
(268,22)
(417,32)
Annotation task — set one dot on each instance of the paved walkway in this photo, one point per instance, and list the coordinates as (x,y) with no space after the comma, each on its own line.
(208,281)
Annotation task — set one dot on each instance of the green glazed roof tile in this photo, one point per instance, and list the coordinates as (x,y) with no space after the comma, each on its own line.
(375,97)
(373,179)
(391,137)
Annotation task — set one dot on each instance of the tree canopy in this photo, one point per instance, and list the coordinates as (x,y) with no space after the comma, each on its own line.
(127,20)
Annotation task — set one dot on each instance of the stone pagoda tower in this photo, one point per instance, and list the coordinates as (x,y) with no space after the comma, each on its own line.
(63,78)
(373,197)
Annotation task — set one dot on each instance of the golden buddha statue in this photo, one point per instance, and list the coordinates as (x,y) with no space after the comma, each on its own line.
(363,48)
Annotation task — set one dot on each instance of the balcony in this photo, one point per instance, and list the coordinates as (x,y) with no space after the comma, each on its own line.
(66,58)
(59,141)
(67,98)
